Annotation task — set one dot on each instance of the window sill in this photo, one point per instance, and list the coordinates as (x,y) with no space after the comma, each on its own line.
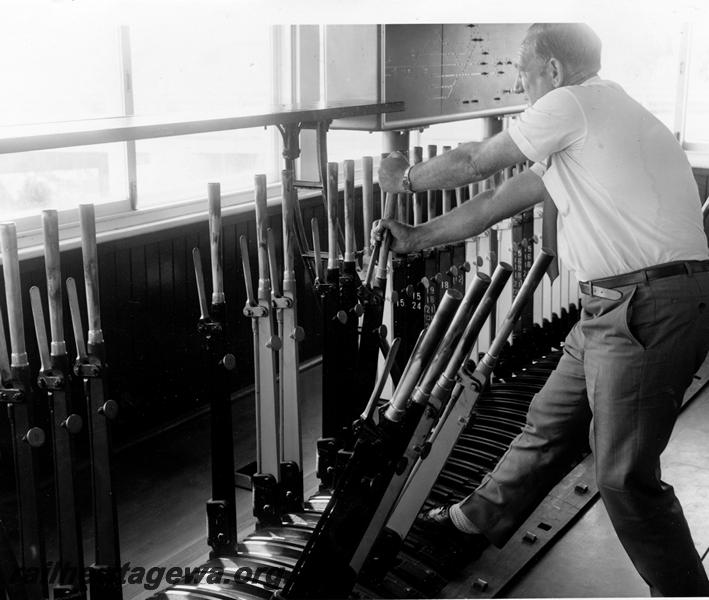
(117,225)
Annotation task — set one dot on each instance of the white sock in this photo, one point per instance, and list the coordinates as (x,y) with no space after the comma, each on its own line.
(460,521)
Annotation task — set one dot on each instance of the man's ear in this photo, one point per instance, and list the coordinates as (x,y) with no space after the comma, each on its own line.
(557,72)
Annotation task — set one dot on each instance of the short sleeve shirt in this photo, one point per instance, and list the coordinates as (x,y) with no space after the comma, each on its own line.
(624,189)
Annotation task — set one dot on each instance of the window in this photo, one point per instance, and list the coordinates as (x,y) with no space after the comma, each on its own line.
(61,63)
(448,134)
(643,59)
(201,64)
(59,69)
(697,120)
(177,169)
(64,63)
(352,145)
(64,178)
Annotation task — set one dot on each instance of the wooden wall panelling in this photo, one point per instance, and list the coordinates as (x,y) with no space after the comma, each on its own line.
(150,312)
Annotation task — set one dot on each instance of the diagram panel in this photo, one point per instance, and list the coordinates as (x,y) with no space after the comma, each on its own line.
(413,69)
(446,72)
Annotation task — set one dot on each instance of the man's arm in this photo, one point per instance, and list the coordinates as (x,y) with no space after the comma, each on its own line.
(470,218)
(469,162)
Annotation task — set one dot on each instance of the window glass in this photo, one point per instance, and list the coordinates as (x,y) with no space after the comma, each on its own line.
(58,69)
(448,134)
(643,59)
(196,65)
(61,178)
(212,63)
(176,169)
(697,124)
(352,145)
(58,65)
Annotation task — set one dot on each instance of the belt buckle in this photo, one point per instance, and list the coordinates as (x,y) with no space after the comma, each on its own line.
(607,293)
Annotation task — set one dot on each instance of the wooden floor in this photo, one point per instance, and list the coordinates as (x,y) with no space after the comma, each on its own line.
(162,485)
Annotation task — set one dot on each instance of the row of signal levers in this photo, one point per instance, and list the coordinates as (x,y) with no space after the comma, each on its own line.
(380,462)
(452,311)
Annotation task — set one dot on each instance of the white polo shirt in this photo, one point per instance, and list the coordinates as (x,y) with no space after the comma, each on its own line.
(622,184)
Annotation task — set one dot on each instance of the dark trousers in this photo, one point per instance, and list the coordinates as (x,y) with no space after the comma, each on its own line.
(621,380)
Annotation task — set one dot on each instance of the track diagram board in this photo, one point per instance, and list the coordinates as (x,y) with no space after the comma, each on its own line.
(443,72)
(455,71)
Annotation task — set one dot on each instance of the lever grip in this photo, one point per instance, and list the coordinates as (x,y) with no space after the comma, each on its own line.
(13,296)
(526,291)
(199,280)
(5,372)
(289,206)
(52,262)
(40,328)
(73,298)
(383,258)
(417,157)
(332,193)
(273,264)
(367,199)
(264,283)
(90,254)
(350,244)
(246,264)
(316,248)
(386,371)
(215,241)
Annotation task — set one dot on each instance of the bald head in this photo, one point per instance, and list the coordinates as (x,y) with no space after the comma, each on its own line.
(575,45)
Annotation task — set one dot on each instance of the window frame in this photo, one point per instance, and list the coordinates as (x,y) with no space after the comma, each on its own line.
(125,217)
(293,71)
(693,147)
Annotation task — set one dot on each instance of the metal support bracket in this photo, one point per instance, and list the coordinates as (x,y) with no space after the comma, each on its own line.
(52,380)
(12,396)
(89,370)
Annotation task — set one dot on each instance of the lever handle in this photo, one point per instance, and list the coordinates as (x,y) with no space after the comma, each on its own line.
(316,248)
(332,193)
(246,264)
(273,264)
(5,372)
(289,208)
(350,244)
(199,279)
(372,264)
(417,157)
(40,328)
(389,213)
(215,241)
(75,312)
(90,254)
(13,295)
(431,194)
(367,200)
(52,262)
(377,391)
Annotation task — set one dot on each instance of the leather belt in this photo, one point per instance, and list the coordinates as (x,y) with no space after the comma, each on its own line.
(603,288)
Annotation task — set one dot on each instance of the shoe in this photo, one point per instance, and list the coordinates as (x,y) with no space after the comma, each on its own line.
(436,525)
(437,521)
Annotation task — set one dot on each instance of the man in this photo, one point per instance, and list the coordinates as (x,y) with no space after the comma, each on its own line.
(629,225)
